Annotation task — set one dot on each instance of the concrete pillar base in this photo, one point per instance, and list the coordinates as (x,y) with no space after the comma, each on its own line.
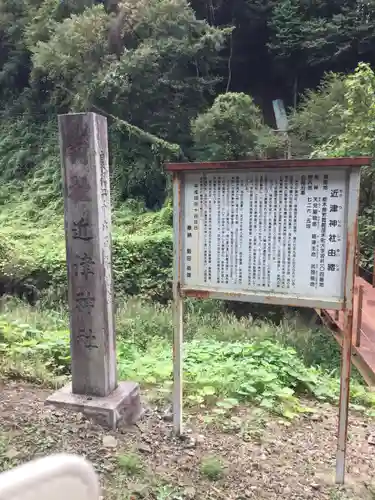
(122,405)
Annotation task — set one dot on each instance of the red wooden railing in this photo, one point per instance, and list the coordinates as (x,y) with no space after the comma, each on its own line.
(369,277)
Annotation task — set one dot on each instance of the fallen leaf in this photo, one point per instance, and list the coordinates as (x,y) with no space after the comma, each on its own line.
(11,453)
(109,442)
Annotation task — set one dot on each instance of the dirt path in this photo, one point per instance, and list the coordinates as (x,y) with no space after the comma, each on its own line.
(261,457)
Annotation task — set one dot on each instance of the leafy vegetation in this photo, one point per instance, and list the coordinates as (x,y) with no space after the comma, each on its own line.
(130,463)
(212,468)
(233,129)
(227,361)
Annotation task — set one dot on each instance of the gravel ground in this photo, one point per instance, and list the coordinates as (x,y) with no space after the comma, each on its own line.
(261,457)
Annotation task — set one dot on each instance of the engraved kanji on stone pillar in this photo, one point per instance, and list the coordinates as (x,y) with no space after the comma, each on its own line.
(94,389)
(88,249)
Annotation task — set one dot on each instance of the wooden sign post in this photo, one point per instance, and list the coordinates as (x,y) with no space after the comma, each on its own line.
(278,232)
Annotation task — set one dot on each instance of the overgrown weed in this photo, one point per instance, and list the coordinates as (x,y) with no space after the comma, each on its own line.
(228,361)
(212,468)
(130,463)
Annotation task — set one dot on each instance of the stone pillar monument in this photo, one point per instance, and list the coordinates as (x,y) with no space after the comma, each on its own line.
(94,389)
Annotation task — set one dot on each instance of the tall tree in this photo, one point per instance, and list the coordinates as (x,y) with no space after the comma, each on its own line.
(159,80)
(286,43)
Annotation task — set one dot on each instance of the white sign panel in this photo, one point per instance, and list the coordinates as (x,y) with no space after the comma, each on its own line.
(271,232)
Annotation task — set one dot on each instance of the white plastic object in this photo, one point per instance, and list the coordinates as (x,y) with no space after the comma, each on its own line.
(56,477)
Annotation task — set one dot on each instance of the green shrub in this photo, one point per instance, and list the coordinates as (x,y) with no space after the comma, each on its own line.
(24,344)
(232,129)
(212,468)
(142,265)
(318,116)
(130,463)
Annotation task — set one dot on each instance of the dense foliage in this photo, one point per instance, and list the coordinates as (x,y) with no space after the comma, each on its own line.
(149,69)
(227,361)
(233,129)
(174,79)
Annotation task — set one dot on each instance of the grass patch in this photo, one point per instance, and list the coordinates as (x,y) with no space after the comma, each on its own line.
(212,468)
(130,463)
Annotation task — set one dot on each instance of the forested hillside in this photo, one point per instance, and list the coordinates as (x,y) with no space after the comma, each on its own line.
(176,81)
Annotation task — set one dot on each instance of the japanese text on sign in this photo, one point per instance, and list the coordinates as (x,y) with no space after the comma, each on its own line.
(280,232)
